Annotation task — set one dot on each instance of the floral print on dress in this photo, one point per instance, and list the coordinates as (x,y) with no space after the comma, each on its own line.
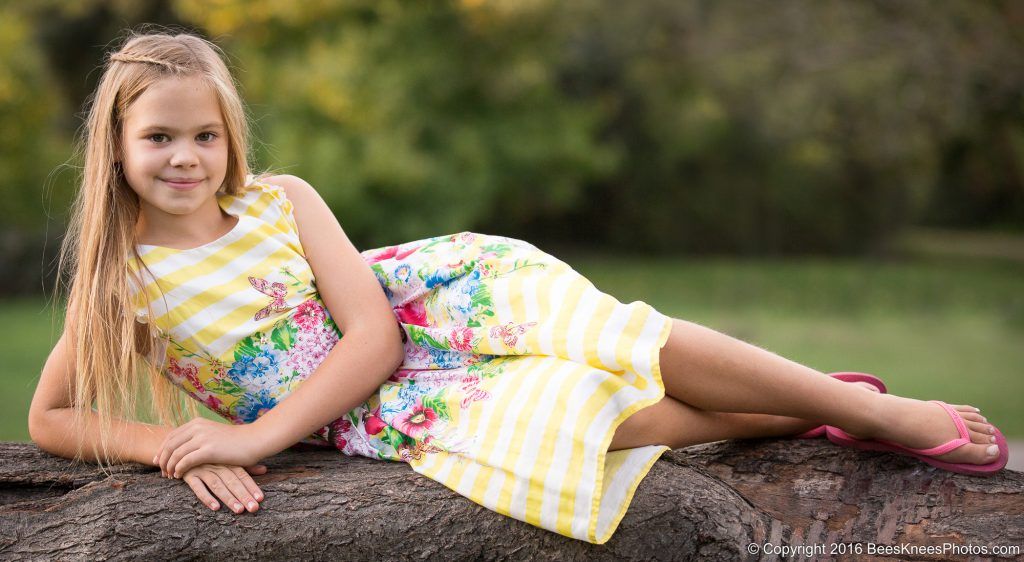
(445,310)
(265,367)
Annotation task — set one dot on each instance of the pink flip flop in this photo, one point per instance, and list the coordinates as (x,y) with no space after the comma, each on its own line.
(845,377)
(840,437)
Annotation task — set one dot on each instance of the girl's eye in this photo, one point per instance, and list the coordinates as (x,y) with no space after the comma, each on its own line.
(211,136)
(154,137)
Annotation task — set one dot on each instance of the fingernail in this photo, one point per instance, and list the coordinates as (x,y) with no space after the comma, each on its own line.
(238,507)
(259,496)
(213,505)
(992,450)
(252,505)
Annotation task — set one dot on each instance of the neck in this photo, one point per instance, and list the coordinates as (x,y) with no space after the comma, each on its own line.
(204,225)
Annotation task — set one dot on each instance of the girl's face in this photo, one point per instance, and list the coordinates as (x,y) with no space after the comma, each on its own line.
(175,151)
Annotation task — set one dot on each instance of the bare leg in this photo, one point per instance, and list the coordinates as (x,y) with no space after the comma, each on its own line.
(711,371)
(673,423)
(677,424)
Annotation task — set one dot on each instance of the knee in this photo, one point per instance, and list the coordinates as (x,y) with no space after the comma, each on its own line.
(649,426)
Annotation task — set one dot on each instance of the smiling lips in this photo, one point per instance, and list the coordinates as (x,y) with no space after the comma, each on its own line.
(182,183)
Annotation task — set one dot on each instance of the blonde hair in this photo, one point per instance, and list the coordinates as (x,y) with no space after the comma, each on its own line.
(111,353)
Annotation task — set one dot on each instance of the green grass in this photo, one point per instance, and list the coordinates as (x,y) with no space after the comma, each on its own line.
(28,335)
(948,329)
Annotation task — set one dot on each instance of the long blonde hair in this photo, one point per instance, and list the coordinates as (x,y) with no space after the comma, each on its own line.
(112,355)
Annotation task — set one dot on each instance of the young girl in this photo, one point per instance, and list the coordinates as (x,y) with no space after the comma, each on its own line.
(482,362)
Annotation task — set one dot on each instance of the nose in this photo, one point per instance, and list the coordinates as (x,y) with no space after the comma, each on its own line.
(184,155)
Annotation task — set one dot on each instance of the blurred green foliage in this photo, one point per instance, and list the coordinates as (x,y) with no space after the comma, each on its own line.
(747,127)
(30,142)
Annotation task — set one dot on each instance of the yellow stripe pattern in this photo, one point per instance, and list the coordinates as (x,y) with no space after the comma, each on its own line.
(203,298)
(537,449)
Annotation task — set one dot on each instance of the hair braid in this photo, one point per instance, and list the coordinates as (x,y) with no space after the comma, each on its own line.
(124,57)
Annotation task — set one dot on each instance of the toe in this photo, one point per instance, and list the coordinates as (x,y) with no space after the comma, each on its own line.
(980,434)
(991,452)
(973,453)
(980,453)
(981,427)
(972,416)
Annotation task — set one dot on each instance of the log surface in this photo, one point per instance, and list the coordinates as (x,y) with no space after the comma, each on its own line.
(709,502)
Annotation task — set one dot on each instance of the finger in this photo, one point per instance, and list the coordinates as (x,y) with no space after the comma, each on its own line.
(256,469)
(165,450)
(178,454)
(248,482)
(171,443)
(238,487)
(158,457)
(195,457)
(204,495)
(220,489)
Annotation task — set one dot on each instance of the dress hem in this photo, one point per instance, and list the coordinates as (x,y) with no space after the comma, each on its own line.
(655,359)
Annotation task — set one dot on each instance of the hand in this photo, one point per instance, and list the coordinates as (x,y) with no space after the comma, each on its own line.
(202,441)
(232,484)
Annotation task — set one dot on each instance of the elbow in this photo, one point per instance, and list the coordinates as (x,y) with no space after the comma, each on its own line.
(389,352)
(37,429)
(398,353)
(395,351)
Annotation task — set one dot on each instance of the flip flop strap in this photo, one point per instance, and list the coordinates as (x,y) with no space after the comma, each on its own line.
(948,446)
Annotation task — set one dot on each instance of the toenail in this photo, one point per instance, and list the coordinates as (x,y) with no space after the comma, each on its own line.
(991,429)
(984,419)
(991,439)
(992,450)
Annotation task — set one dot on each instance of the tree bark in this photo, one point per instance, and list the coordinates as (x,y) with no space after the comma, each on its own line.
(709,502)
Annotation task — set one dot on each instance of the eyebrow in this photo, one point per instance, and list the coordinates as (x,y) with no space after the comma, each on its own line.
(161,128)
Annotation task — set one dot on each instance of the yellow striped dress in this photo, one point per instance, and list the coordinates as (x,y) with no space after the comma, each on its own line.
(517,369)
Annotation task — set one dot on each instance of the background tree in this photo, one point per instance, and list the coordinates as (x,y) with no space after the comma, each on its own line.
(755,128)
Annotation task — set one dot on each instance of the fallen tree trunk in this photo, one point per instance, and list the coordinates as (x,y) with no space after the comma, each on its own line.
(709,502)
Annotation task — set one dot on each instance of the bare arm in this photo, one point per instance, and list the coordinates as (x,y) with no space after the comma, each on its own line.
(371,347)
(51,424)
(53,432)
(51,418)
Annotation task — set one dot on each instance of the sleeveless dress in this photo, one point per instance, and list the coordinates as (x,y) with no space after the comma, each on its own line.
(517,370)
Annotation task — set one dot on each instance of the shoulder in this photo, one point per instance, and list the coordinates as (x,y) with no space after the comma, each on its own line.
(310,212)
(299,197)
(295,188)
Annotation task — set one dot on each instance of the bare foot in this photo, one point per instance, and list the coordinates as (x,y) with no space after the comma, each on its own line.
(922,425)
